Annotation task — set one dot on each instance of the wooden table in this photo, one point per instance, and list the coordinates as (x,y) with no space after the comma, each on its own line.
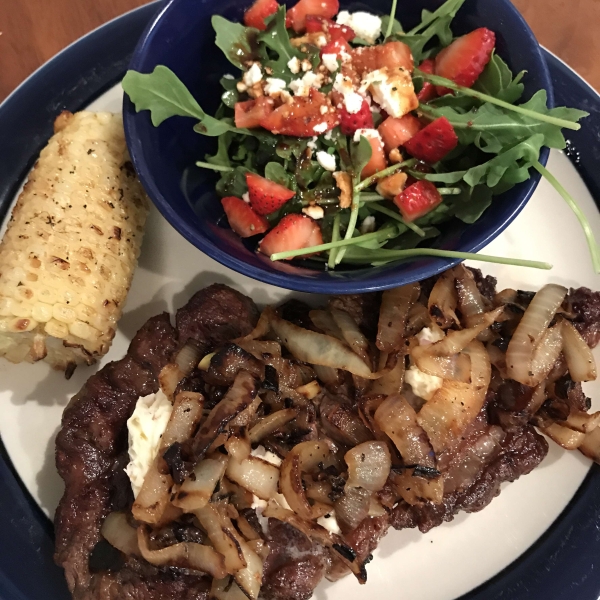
(34,30)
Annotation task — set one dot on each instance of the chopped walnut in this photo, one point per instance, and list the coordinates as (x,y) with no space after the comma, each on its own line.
(344,183)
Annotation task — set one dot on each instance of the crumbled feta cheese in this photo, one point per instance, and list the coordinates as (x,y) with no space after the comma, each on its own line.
(392,89)
(314,212)
(368,225)
(253,75)
(312,144)
(330,523)
(145,428)
(266,455)
(274,86)
(422,384)
(328,135)
(345,56)
(306,65)
(330,61)
(353,102)
(228,76)
(320,128)
(371,134)
(428,335)
(246,197)
(294,65)
(343,84)
(365,25)
(327,161)
(301,87)
(323,109)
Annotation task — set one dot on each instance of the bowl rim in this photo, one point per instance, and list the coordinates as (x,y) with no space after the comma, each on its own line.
(386,278)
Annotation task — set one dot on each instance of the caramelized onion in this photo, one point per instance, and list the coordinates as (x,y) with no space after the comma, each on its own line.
(196,490)
(185,555)
(185,361)
(259,347)
(470,300)
(120,534)
(443,301)
(457,367)
(369,465)
(569,439)
(529,333)
(271,423)
(352,335)
(395,306)
(413,488)
(263,327)
(590,446)
(352,508)
(579,357)
(392,381)
(581,421)
(323,320)
(226,589)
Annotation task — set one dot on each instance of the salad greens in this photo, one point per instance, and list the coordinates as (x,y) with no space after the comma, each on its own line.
(499,142)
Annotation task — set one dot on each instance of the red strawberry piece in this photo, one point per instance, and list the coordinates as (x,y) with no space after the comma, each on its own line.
(433,142)
(428,91)
(396,132)
(293,232)
(350,122)
(391,54)
(250,113)
(242,219)
(417,200)
(377,162)
(302,116)
(296,16)
(314,24)
(266,196)
(255,16)
(336,46)
(465,58)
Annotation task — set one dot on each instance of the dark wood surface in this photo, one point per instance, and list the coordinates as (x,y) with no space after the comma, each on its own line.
(32,31)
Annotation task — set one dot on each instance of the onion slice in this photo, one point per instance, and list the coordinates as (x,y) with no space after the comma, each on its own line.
(196,490)
(352,334)
(569,439)
(395,306)
(271,423)
(369,465)
(120,534)
(443,301)
(590,446)
(352,508)
(392,381)
(579,357)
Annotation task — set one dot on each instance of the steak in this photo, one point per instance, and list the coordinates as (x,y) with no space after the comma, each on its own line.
(91,447)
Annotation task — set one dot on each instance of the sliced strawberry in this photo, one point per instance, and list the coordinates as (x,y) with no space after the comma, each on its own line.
(465,58)
(302,116)
(377,161)
(296,16)
(250,113)
(315,24)
(242,219)
(396,132)
(266,196)
(293,232)
(261,9)
(350,122)
(428,91)
(392,54)
(337,46)
(417,200)
(433,142)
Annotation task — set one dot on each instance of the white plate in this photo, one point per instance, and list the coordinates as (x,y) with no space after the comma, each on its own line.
(476,546)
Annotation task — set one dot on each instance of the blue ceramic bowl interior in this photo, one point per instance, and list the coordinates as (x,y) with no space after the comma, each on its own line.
(181,37)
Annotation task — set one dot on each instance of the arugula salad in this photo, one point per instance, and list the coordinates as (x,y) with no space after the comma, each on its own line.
(349,140)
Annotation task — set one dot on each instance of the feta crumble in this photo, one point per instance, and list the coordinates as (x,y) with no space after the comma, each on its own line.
(327,161)
(392,89)
(246,197)
(320,128)
(368,225)
(274,86)
(145,428)
(314,212)
(353,102)
(370,134)
(365,25)
(330,61)
(301,87)
(427,336)
(252,76)
(294,65)
(422,384)
(312,144)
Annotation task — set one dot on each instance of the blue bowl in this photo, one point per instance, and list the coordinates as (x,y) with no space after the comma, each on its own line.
(181,37)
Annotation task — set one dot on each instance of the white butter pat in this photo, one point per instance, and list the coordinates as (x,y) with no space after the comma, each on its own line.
(267,456)
(422,384)
(145,428)
(330,523)
(365,25)
(326,160)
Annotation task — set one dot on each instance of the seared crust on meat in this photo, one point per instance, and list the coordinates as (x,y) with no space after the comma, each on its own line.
(91,447)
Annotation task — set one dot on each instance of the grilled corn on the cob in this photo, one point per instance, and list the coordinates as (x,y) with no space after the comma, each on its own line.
(71,246)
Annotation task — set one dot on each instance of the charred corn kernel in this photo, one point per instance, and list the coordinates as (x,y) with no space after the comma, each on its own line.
(71,246)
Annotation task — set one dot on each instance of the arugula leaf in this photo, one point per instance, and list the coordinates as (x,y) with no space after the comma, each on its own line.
(277,173)
(231,95)
(472,203)
(233,183)
(221,158)
(360,155)
(276,37)
(449,8)
(497,80)
(235,40)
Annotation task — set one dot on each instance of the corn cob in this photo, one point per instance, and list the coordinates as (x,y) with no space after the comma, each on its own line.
(71,246)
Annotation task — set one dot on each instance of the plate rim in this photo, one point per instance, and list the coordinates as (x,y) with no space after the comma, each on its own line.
(20,512)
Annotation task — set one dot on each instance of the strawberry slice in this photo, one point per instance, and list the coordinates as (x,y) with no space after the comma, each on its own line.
(377,161)
(392,54)
(266,196)
(465,58)
(433,142)
(315,24)
(350,122)
(396,132)
(417,200)
(242,219)
(292,233)
(296,16)
(337,46)
(428,91)
(250,113)
(255,16)
(302,116)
